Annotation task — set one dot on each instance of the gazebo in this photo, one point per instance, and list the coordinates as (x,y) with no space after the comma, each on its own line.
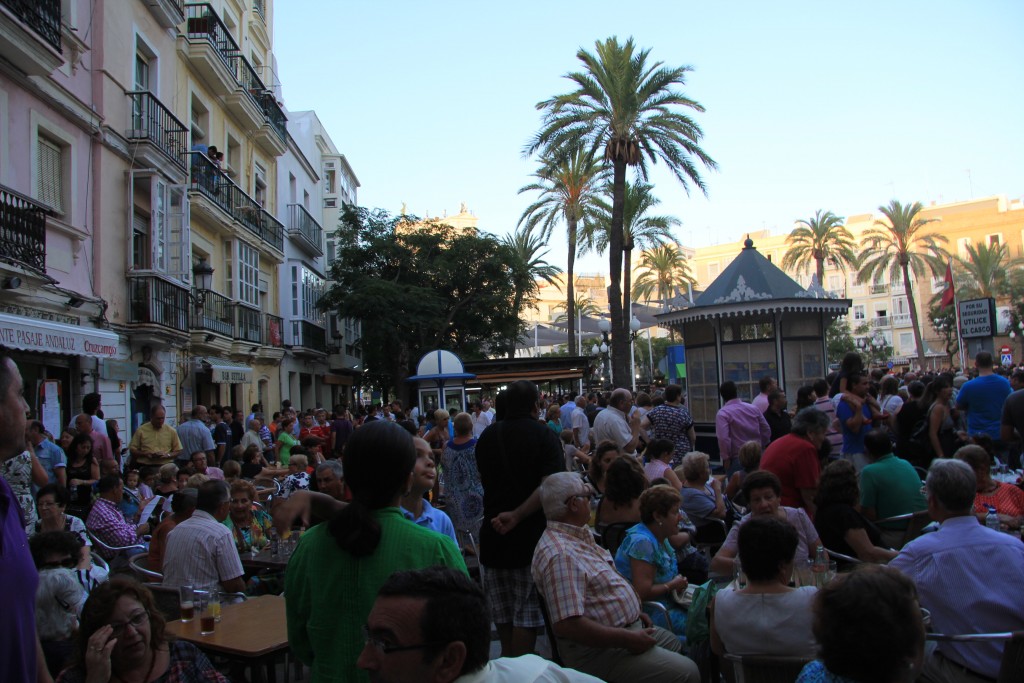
(752,321)
(440,382)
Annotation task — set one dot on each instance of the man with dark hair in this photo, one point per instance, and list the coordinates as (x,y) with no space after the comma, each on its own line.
(514,456)
(101,447)
(982,399)
(762,400)
(106,523)
(481,419)
(855,412)
(183,504)
(889,486)
(195,437)
(90,406)
(50,455)
(439,615)
(776,416)
(223,440)
(967,575)
(737,423)
(834,435)
(201,550)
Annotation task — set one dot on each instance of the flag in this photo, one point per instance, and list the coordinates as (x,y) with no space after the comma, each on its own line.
(947,293)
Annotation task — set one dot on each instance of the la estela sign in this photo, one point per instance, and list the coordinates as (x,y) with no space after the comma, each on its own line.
(977,318)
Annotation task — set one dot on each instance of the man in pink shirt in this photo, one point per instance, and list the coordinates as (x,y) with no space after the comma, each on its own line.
(101,447)
(762,400)
(737,423)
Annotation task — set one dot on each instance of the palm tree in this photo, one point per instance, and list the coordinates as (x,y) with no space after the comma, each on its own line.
(569,189)
(631,109)
(897,246)
(528,252)
(819,239)
(583,306)
(662,270)
(986,272)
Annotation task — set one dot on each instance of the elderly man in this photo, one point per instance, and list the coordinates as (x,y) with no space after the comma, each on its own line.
(252,435)
(595,612)
(737,423)
(330,479)
(154,443)
(195,437)
(481,419)
(106,522)
(967,575)
(794,459)
(889,486)
(443,606)
(201,550)
(615,424)
(50,455)
(199,466)
(581,425)
(101,447)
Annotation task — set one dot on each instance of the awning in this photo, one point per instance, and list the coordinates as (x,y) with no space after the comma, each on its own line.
(227,371)
(29,334)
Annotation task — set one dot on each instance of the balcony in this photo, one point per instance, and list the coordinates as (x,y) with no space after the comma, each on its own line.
(881,321)
(248,326)
(209,47)
(161,135)
(22,230)
(168,13)
(215,315)
(273,332)
(308,337)
(305,230)
(901,320)
(155,301)
(878,289)
(208,181)
(243,100)
(30,35)
(260,6)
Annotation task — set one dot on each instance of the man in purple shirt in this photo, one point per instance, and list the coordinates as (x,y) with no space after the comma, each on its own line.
(737,423)
(21,657)
(762,400)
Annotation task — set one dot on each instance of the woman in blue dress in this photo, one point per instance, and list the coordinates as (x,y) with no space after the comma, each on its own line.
(646,557)
(463,492)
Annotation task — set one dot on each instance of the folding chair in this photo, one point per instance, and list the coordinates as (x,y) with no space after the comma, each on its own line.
(1011,666)
(140,565)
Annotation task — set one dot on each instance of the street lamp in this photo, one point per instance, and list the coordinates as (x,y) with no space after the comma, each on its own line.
(203,273)
(602,349)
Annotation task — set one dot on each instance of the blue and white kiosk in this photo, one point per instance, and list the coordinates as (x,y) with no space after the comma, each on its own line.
(440,382)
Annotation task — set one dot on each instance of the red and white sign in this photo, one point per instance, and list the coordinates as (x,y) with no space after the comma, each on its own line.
(1004,349)
(27,334)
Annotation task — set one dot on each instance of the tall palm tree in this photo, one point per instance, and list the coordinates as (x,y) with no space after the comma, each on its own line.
(528,252)
(630,108)
(639,228)
(816,240)
(569,189)
(583,306)
(662,269)
(897,246)
(986,272)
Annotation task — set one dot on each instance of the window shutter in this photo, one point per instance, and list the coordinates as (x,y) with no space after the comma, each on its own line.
(50,182)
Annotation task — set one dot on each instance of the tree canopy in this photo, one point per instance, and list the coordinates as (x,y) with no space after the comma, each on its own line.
(418,287)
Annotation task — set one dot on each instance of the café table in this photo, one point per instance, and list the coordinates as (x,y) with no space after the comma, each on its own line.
(253,633)
(264,560)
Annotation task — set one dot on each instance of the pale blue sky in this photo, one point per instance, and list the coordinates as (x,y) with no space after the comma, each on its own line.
(809,104)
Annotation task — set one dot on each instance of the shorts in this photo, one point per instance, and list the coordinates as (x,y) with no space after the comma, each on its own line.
(512,597)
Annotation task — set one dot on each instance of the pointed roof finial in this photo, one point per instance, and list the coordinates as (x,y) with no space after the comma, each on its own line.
(748,243)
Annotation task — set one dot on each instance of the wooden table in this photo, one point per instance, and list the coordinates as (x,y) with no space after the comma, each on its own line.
(254,632)
(263,560)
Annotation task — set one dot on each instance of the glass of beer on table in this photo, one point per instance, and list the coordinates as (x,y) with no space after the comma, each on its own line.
(186,595)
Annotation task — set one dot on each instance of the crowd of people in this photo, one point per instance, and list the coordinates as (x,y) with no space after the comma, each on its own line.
(591,515)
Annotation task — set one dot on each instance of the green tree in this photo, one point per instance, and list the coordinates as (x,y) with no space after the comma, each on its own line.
(838,341)
(986,272)
(420,287)
(568,190)
(630,108)
(818,239)
(528,266)
(899,247)
(943,321)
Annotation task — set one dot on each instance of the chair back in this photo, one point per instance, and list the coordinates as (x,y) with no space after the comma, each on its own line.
(1011,664)
(710,536)
(140,565)
(765,669)
(611,537)
(915,527)
(549,629)
(167,600)
(116,556)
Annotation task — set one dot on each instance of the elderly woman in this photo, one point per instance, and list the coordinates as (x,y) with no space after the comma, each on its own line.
(333,577)
(624,483)
(249,524)
(553,417)
(59,597)
(298,477)
(121,638)
(869,629)
(167,480)
(647,559)
(700,504)
(840,524)
(1008,500)
(464,494)
(767,616)
(659,457)
(762,490)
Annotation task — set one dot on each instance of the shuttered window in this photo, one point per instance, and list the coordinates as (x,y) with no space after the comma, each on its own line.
(50,181)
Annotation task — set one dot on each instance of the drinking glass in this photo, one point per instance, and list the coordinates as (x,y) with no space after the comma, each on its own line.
(738,575)
(186,598)
(832,571)
(802,574)
(207,619)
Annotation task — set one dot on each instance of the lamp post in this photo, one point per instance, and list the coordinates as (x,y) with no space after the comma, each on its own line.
(601,349)
(872,345)
(1020,326)
(605,326)
(203,273)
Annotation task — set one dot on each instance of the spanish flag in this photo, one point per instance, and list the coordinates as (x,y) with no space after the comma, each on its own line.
(947,293)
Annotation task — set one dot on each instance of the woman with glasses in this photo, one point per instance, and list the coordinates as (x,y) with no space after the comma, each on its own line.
(52,501)
(121,638)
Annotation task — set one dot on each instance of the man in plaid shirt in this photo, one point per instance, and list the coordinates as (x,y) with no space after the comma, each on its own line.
(595,611)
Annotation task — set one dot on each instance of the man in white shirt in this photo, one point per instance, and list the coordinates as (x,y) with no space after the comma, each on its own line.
(612,423)
(481,418)
(580,424)
(201,551)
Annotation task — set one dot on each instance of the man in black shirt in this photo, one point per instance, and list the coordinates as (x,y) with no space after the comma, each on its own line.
(776,416)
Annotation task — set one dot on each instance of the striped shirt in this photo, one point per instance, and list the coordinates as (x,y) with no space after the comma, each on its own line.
(576,577)
(107,524)
(200,551)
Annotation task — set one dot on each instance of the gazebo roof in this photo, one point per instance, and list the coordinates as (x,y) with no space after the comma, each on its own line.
(752,284)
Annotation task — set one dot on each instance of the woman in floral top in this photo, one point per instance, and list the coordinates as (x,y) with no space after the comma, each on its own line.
(21,472)
(249,525)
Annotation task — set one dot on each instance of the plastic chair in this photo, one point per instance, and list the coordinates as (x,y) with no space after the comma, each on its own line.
(844,557)
(611,537)
(140,565)
(116,556)
(1011,666)
(916,523)
(710,536)
(765,669)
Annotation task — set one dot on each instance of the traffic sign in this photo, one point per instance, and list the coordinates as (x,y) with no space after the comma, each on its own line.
(1006,359)
(890,365)
(1005,349)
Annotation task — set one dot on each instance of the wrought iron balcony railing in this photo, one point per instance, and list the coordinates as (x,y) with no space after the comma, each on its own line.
(275,115)
(202,23)
(879,289)
(22,229)
(215,316)
(152,121)
(302,222)
(248,326)
(155,301)
(42,16)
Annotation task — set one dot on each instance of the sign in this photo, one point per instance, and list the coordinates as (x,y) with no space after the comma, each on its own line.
(43,336)
(890,365)
(224,371)
(977,318)
(124,370)
(1005,350)
(1006,359)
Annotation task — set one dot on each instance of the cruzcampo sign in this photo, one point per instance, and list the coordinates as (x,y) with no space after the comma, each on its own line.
(977,318)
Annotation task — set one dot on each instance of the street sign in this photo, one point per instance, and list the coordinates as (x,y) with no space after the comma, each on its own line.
(1006,359)
(890,365)
(1005,350)
(977,318)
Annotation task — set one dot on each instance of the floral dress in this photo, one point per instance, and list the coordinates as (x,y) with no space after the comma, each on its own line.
(815,672)
(253,535)
(464,494)
(18,473)
(672,423)
(640,544)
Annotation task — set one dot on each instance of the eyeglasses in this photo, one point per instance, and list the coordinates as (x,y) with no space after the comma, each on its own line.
(66,563)
(135,621)
(587,494)
(388,648)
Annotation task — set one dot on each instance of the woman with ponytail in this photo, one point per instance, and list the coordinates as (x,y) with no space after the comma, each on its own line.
(333,577)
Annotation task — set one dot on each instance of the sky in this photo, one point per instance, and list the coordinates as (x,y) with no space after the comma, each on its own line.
(809,105)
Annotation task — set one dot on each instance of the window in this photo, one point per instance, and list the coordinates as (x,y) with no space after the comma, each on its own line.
(712,271)
(259,185)
(330,181)
(858,312)
(50,178)
(248,274)
(835,283)
(161,238)
(961,246)
(306,289)
(305,200)
(293,189)
(200,121)
(994,240)
(234,156)
(331,203)
(906,341)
